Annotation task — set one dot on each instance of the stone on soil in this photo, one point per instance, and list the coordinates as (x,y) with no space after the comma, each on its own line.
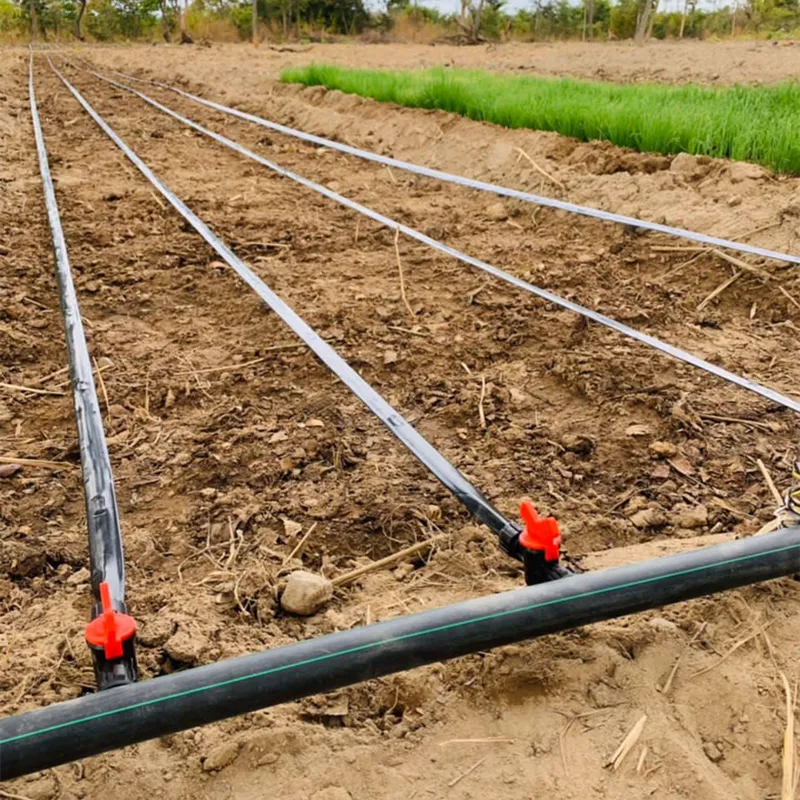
(306,593)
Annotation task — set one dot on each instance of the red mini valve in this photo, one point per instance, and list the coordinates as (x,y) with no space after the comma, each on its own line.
(111,628)
(539,533)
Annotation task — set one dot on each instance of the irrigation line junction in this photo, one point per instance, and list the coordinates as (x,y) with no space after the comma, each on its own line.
(554,599)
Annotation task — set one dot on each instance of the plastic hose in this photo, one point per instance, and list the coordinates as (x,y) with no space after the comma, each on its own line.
(108,720)
(548,202)
(102,516)
(449,476)
(602,319)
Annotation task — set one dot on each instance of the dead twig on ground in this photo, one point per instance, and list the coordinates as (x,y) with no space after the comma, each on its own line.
(400,270)
(481,414)
(15,387)
(36,462)
(668,683)
(468,772)
(102,383)
(299,547)
(770,483)
(628,743)
(349,577)
(541,171)
(720,289)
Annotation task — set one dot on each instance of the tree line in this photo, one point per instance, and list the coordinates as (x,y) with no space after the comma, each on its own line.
(318,20)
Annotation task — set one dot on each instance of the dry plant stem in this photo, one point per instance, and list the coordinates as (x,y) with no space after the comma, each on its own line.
(743,641)
(481,413)
(540,170)
(400,270)
(788,296)
(770,483)
(787,785)
(102,383)
(468,772)
(15,387)
(737,262)
(299,547)
(642,759)
(36,462)
(488,740)
(11,796)
(668,683)
(234,367)
(628,743)
(349,577)
(720,289)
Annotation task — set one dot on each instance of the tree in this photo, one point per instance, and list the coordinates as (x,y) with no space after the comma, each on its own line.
(469,20)
(647,14)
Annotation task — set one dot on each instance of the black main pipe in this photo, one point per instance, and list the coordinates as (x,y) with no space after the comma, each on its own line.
(108,720)
(102,516)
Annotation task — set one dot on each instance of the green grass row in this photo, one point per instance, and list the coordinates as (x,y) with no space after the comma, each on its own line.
(746,123)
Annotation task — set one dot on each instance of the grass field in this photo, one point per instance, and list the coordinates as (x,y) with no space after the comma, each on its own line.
(758,124)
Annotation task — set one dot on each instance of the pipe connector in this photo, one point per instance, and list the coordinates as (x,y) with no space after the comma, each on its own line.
(540,546)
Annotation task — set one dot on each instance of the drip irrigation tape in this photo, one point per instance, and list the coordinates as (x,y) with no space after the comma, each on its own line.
(548,202)
(602,319)
(96,723)
(428,455)
(102,515)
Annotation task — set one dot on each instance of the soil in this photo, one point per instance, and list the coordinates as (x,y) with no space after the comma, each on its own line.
(228,441)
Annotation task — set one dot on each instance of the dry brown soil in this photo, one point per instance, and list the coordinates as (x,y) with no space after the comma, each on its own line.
(223,434)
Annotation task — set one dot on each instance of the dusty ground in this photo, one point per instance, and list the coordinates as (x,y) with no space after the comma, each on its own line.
(664,62)
(216,456)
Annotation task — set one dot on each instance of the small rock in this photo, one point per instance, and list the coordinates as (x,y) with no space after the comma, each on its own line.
(662,625)
(306,593)
(41,789)
(713,752)
(649,518)
(290,527)
(578,443)
(403,571)
(735,200)
(497,211)
(390,357)
(7,470)
(742,171)
(183,647)
(663,449)
(220,756)
(684,164)
(266,760)
(690,517)
(332,793)
(80,577)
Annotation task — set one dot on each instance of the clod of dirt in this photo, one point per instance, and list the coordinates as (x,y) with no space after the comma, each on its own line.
(183,647)
(7,470)
(713,752)
(741,171)
(690,517)
(156,631)
(41,789)
(332,793)
(220,756)
(20,560)
(5,413)
(78,578)
(497,211)
(684,164)
(663,449)
(649,518)
(306,593)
